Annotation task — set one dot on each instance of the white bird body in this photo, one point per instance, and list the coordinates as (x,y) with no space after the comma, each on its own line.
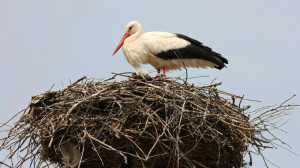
(165,50)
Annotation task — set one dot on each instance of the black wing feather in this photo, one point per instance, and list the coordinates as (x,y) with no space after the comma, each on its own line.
(196,50)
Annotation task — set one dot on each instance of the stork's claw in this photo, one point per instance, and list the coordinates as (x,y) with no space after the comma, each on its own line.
(159,76)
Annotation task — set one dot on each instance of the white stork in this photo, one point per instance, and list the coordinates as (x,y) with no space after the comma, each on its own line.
(167,51)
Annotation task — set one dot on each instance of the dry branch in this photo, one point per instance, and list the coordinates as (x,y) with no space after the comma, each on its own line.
(140,123)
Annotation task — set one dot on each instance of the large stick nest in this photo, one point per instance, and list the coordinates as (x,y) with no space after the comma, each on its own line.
(137,123)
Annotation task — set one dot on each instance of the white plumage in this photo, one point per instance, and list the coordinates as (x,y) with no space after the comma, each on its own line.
(165,50)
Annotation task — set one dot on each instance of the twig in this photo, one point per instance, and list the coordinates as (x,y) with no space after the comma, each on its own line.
(107,146)
(180,57)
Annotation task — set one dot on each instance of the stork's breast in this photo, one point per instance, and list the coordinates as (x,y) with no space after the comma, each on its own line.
(135,54)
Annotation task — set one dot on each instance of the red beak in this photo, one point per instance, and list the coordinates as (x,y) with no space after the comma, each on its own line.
(121,42)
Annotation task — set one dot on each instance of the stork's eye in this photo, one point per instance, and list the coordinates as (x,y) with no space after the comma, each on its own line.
(130,28)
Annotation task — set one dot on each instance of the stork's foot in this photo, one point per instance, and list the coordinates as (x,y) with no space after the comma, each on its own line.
(159,76)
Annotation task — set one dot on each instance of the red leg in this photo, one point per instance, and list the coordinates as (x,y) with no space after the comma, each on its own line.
(159,76)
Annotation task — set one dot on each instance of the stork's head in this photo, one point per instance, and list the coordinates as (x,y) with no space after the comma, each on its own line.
(132,28)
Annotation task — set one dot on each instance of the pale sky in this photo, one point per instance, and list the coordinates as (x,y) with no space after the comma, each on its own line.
(51,42)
